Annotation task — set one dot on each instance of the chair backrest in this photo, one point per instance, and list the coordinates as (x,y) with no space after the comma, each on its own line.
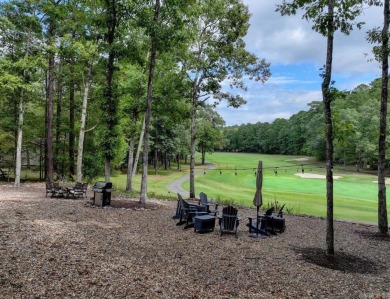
(203,199)
(184,205)
(229,218)
(56,185)
(79,186)
(49,186)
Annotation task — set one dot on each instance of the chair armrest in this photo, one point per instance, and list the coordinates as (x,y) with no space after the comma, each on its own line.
(199,213)
(197,207)
(212,204)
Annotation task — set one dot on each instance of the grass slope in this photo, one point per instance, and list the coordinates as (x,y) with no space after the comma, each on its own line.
(355,194)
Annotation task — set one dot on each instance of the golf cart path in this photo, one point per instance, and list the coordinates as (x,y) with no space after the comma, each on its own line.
(175,186)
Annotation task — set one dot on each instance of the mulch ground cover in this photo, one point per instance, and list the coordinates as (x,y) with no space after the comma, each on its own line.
(68,248)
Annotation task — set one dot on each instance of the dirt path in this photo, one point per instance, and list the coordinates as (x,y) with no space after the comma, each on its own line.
(175,186)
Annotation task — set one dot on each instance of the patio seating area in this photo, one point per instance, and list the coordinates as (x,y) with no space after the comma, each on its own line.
(66,190)
(202,219)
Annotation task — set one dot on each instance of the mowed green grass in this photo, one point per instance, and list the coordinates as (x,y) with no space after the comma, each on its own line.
(355,194)
(157,183)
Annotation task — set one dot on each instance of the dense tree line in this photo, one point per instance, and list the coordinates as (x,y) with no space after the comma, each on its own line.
(355,120)
(87,87)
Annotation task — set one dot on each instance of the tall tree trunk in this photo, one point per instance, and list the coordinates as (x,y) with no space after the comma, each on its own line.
(111,98)
(382,209)
(18,166)
(72,137)
(28,158)
(193,139)
(50,100)
(18,158)
(155,160)
(130,164)
(140,143)
(58,144)
(80,148)
(178,161)
(149,97)
(194,104)
(327,99)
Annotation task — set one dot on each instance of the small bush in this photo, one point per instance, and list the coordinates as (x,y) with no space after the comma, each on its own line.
(288,209)
(224,202)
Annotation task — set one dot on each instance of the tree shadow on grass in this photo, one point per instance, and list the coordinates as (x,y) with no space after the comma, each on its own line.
(341,261)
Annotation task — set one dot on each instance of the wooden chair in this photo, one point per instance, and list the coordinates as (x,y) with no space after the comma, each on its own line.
(229,220)
(203,201)
(269,223)
(77,191)
(57,190)
(188,211)
(85,189)
(259,226)
(50,189)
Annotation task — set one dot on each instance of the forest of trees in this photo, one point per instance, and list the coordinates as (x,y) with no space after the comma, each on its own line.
(355,124)
(87,87)
(73,89)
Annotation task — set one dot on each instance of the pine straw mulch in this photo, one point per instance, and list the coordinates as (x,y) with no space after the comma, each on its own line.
(64,248)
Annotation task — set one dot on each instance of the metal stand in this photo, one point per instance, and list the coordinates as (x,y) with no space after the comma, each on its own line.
(262,234)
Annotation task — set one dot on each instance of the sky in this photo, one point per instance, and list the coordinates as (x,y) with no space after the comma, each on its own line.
(296,53)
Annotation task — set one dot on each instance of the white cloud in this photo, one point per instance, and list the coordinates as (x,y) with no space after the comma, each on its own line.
(267,102)
(296,53)
(290,39)
(280,80)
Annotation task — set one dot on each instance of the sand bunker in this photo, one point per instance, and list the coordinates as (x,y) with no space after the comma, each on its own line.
(299,159)
(387,181)
(315,176)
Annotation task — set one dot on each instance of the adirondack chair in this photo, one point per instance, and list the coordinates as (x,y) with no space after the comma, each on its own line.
(266,220)
(188,211)
(50,188)
(57,190)
(229,220)
(269,223)
(258,226)
(203,201)
(85,189)
(77,191)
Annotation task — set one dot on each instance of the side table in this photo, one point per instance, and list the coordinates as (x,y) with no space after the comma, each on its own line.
(204,223)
